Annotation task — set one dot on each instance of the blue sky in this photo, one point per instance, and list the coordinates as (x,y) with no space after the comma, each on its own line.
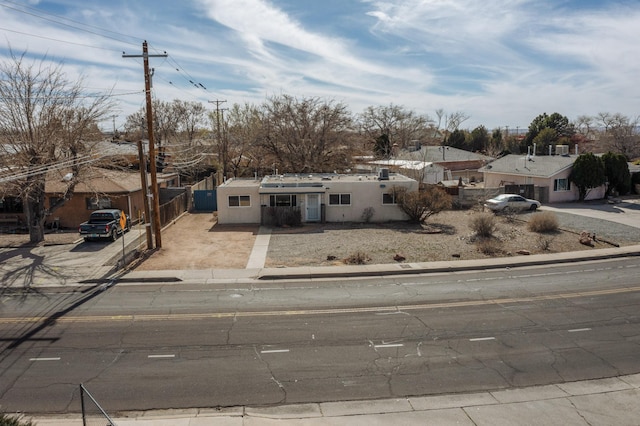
(502,62)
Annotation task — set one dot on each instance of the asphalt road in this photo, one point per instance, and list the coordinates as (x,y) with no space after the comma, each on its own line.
(176,346)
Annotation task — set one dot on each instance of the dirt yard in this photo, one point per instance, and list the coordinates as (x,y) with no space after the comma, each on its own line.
(195,241)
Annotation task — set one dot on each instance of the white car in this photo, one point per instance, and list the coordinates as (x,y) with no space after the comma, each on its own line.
(511,202)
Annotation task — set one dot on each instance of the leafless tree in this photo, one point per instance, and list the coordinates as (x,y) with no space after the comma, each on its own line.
(400,125)
(449,122)
(620,133)
(46,125)
(243,129)
(305,135)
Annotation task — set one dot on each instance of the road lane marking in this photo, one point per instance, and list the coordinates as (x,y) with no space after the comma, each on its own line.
(481,339)
(372,309)
(389,345)
(161,356)
(274,351)
(45,359)
(577,330)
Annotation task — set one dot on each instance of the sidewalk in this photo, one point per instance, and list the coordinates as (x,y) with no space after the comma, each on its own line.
(588,403)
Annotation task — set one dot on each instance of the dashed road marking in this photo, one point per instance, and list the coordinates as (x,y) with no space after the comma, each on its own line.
(577,330)
(480,339)
(45,359)
(161,356)
(274,351)
(389,345)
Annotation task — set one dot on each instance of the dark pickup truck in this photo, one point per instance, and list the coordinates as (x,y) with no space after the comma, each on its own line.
(106,223)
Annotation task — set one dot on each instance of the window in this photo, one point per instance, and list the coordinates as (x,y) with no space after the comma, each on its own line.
(283,200)
(239,201)
(10,205)
(561,185)
(339,199)
(98,203)
(388,198)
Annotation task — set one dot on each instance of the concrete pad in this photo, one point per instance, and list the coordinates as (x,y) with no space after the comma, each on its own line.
(614,408)
(529,394)
(549,412)
(451,401)
(294,411)
(587,387)
(348,408)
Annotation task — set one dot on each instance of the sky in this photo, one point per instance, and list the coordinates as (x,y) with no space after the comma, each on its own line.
(500,62)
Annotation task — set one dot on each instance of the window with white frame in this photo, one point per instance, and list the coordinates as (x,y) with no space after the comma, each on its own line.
(239,201)
(389,198)
(561,185)
(339,199)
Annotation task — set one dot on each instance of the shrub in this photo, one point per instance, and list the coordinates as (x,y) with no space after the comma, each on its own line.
(543,222)
(6,420)
(357,258)
(544,243)
(489,246)
(483,224)
(420,205)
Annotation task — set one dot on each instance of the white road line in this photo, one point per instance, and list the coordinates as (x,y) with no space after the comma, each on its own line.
(389,345)
(45,359)
(480,339)
(274,351)
(161,356)
(576,330)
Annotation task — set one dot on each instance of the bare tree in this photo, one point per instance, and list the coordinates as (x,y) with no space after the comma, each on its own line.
(620,133)
(395,125)
(305,135)
(243,126)
(448,123)
(46,122)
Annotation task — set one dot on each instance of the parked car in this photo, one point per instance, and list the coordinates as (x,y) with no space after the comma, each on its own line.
(106,223)
(511,202)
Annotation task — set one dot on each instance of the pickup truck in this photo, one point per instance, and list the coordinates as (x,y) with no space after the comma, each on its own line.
(106,223)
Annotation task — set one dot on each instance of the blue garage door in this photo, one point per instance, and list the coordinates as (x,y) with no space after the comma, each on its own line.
(205,200)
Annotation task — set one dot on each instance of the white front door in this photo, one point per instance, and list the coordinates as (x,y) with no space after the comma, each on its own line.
(313,207)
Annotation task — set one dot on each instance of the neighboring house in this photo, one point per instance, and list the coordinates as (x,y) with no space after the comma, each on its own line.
(319,197)
(101,188)
(433,164)
(548,173)
(422,171)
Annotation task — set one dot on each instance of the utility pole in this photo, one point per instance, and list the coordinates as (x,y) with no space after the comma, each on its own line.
(152,150)
(220,111)
(143,179)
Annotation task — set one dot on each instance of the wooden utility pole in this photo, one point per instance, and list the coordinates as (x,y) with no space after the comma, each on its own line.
(222,146)
(142,164)
(152,150)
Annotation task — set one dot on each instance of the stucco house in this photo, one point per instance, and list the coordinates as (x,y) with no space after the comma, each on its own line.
(549,174)
(319,197)
(434,164)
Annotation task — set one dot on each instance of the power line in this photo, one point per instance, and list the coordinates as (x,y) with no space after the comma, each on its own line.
(37,13)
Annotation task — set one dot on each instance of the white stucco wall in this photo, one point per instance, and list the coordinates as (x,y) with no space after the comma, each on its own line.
(238,215)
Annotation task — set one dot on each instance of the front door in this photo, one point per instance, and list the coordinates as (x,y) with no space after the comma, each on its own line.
(313,207)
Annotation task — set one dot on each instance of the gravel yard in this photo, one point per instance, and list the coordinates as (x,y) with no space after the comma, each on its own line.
(447,236)
(195,241)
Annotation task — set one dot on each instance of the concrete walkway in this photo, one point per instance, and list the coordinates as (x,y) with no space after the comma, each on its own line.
(258,255)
